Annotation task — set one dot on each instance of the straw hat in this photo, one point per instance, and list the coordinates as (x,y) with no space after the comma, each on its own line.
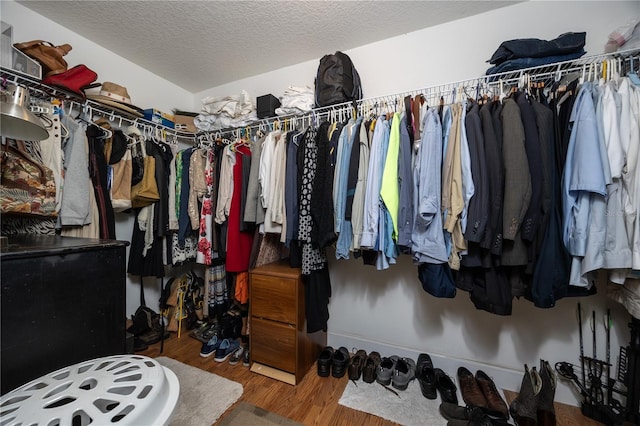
(117,97)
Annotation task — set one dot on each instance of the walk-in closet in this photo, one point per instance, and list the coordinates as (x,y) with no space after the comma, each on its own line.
(322,212)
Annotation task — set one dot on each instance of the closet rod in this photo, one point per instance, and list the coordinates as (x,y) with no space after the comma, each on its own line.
(39,90)
(545,73)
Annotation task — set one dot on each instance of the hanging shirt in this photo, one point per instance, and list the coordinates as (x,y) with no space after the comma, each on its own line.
(291,196)
(345,237)
(357,210)
(75,208)
(266,165)
(389,189)
(584,176)
(617,249)
(374,178)
(405,182)
(253,211)
(274,214)
(226,186)
(340,176)
(427,237)
(452,189)
(468,188)
(197,185)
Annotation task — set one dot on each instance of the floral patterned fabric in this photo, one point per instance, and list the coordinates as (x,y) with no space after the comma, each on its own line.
(26,186)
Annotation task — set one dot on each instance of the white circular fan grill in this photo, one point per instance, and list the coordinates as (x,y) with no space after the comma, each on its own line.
(118,389)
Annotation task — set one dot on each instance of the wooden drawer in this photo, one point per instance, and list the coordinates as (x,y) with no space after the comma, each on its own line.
(274,298)
(273,344)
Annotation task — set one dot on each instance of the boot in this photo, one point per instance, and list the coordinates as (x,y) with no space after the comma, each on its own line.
(524,408)
(546,412)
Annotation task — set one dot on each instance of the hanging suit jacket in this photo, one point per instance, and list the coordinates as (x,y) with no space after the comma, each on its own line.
(517,193)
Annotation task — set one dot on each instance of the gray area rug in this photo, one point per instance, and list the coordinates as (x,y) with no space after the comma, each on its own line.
(409,407)
(204,396)
(246,414)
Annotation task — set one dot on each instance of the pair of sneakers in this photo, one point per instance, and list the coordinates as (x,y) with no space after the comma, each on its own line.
(396,371)
(222,348)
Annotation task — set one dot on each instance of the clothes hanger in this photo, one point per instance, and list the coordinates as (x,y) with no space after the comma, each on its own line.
(632,74)
(501,92)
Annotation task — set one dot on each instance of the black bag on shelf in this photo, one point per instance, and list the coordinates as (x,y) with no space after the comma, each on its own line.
(337,80)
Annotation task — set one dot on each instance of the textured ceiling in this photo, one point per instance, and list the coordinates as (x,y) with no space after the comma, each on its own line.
(202,44)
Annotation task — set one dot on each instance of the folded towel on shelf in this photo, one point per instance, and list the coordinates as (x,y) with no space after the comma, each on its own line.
(227,111)
(208,122)
(296,100)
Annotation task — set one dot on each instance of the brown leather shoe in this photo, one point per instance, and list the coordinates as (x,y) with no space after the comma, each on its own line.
(495,404)
(356,364)
(471,392)
(371,367)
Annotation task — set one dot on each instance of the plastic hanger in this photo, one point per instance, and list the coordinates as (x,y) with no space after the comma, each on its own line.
(632,74)
(502,91)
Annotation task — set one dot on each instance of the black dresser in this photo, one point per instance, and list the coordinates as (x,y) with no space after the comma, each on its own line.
(62,302)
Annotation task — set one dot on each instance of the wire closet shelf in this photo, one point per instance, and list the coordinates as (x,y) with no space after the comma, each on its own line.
(626,60)
(73,102)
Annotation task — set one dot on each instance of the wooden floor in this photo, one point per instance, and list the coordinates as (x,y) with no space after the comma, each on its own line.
(314,401)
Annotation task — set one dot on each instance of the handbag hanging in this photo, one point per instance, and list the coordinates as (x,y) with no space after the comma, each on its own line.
(26,187)
(145,192)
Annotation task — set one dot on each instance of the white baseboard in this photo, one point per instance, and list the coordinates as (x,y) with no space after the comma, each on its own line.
(504,378)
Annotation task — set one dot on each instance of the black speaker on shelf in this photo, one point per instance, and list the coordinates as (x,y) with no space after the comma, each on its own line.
(266,106)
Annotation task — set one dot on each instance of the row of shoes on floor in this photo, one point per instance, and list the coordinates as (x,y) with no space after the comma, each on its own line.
(223,349)
(484,404)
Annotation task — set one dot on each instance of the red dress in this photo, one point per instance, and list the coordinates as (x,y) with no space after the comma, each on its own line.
(238,243)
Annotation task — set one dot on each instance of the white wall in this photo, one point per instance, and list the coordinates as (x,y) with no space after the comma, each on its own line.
(388,311)
(145,88)
(450,52)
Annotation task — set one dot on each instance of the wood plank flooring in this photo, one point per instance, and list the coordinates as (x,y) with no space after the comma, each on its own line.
(314,401)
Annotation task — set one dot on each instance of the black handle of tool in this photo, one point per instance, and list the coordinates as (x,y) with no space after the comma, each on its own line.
(609,384)
(593,383)
(584,382)
(593,331)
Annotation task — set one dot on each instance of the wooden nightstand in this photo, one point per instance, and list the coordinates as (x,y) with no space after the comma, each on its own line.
(279,344)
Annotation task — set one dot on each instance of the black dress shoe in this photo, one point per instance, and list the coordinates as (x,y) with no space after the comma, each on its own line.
(426,376)
(446,387)
(339,362)
(455,412)
(324,361)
